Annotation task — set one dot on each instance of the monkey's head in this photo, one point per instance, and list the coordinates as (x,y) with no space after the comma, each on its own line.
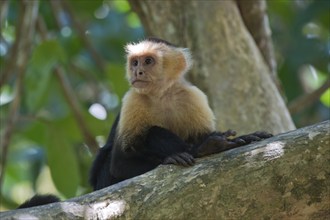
(154,65)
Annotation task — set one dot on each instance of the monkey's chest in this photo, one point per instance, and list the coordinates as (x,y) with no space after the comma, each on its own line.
(177,119)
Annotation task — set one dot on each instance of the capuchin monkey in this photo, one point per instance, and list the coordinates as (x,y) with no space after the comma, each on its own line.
(163,119)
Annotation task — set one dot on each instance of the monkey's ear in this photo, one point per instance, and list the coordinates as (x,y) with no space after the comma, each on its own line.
(188,59)
(177,61)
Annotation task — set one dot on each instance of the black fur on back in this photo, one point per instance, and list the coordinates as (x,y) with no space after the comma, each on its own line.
(158,40)
(100,172)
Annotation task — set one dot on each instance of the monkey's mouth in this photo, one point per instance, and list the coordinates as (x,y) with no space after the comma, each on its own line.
(139,83)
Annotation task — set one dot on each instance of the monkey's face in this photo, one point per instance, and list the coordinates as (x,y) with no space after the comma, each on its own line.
(152,67)
(144,72)
(140,68)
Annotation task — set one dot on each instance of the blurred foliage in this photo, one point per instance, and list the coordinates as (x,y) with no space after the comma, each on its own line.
(301,38)
(48,153)
(47,142)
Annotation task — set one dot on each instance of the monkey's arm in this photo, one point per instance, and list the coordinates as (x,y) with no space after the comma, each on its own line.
(174,150)
(167,146)
(218,142)
(113,164)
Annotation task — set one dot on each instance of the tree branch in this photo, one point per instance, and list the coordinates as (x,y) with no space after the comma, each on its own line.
(254,14)
(10,62)
(74,105)
(71,97)
(308,99)
(63,5)
(22,50)
(3,12)
(286,176)
(58,12)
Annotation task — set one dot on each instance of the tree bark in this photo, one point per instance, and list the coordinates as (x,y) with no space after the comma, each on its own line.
(254,15)
(284,177)
(229,67)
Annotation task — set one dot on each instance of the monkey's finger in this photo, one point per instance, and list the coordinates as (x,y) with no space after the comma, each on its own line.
(177,160)
(250,138)
(190,160)
(227,145)
(169,160)
(174,159)
(229,133)
(262,134)
(187,158)
(239,141)
(180,161)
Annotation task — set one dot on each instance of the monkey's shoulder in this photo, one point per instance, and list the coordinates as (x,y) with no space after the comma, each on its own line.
(183,110)
(184,97)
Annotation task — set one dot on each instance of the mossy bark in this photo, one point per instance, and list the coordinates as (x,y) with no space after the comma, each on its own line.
(284,177)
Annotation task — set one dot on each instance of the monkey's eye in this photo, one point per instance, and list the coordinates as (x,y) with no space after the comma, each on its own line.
(149,60)
(135,62)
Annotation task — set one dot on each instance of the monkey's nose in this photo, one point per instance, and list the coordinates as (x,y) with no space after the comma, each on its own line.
(138,73)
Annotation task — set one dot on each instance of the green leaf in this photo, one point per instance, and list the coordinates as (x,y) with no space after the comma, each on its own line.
(62,162)
(44,58)
(121,6)
(72,132)
(6,94)
(133,20)
(47,54)
(36,132)
(117,78)
(85,8)
(325,98)
(8,32)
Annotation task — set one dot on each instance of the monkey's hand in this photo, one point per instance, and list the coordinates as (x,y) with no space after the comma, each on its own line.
(253,137)
(182,158)
(216,143)
(222,141)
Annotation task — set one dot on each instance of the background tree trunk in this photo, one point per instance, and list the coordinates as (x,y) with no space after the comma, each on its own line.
(284,177)
(228,64)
